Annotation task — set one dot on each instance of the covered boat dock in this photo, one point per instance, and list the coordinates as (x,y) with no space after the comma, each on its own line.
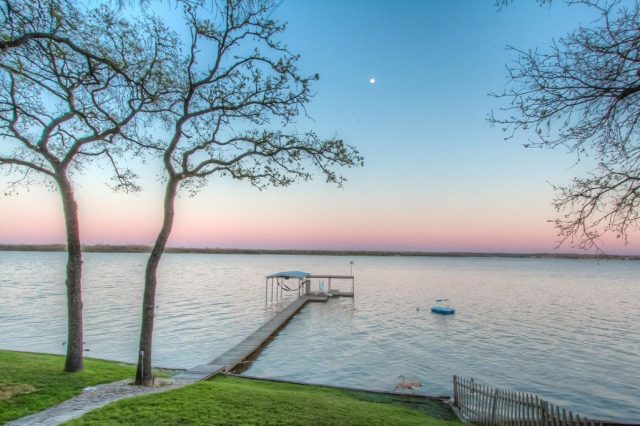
(303,283)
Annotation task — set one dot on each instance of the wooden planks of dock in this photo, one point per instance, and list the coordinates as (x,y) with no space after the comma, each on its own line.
(234,356)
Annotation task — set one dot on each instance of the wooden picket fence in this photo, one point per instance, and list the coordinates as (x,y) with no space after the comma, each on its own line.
(485,405)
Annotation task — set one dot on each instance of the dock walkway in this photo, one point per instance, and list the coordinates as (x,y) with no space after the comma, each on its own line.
(234,356)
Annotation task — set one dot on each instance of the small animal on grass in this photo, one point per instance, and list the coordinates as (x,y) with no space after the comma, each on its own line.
(407,385)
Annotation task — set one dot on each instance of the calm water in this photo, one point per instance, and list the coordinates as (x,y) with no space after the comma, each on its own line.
(568,330)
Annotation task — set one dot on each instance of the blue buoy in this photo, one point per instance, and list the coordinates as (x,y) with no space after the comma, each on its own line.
(443,310)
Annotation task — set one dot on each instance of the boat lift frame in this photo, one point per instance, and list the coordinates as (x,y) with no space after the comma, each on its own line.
(276,283)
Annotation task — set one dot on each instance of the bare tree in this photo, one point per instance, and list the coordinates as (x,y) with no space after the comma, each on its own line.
(583,93)
(25,21)
(61,107)
(238,92)
(54,20)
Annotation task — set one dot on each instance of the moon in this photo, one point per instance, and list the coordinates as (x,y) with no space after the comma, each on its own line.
(372,80)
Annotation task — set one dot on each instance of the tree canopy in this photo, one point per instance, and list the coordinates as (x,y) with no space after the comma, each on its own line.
(73,85)
(237,94)
(583,93)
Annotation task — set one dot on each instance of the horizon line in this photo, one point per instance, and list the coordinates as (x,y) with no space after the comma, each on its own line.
(142,248)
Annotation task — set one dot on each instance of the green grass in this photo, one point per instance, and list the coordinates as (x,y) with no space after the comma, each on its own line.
(429,407)
(32,382)
(237,401)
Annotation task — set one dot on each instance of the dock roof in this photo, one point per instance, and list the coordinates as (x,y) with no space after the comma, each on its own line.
(290,274)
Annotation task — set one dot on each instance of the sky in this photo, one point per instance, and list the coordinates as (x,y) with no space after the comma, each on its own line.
(437,176)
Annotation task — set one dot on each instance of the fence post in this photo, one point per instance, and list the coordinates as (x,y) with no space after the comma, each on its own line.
(456,398)
(492,419)
(544,412)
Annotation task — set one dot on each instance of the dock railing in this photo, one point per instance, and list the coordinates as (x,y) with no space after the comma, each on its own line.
(485,405)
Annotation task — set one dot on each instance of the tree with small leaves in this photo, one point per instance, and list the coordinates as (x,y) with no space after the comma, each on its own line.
(583,93)
(72,87)
(237,95)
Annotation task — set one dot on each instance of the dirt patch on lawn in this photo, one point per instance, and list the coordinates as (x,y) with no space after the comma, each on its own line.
(8,391)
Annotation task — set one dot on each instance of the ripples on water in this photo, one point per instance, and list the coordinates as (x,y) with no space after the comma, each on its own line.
(568,330)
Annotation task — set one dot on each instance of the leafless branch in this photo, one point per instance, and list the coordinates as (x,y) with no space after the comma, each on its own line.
(583,93)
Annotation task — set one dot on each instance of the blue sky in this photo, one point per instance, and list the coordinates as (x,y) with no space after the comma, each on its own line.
(437,176)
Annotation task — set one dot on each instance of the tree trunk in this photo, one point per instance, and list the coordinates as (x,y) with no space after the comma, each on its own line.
(74,361)
(144,374)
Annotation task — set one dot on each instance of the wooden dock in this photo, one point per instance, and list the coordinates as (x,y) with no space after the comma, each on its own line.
(234,356)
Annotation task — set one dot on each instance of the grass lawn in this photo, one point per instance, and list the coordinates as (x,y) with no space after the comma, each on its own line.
(232,400)
(32,382)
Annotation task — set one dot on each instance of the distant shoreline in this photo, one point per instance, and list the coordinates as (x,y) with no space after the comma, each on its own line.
(107,248)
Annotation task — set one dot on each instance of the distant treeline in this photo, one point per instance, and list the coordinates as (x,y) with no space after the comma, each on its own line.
(107,248)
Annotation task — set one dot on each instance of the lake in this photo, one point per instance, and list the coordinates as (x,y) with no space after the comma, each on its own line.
(568,330)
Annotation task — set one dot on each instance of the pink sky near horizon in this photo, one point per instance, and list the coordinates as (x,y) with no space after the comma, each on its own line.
(36,218)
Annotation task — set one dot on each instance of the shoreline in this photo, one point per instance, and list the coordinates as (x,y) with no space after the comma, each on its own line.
(136,248)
